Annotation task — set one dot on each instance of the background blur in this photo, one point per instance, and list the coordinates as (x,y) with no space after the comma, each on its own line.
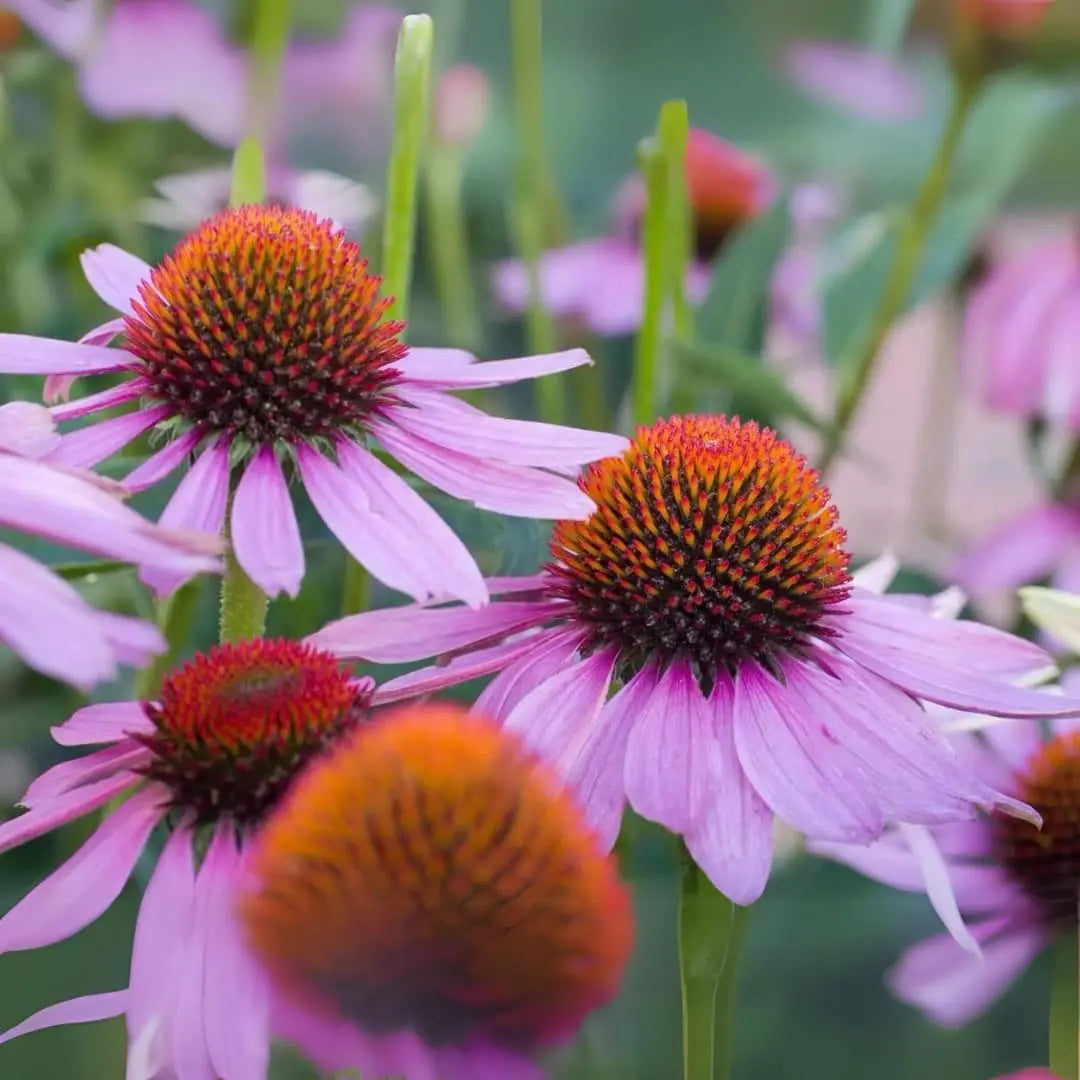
(813,1003)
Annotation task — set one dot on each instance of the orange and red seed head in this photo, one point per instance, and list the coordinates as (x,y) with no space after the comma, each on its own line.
(264,324)
(236,724)
(713,541)
(1045,863)
(431,875)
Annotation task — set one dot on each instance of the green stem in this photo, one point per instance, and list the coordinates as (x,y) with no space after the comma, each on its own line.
(447,236)
(243,604)
(712,932)
(905,264)
(269,38)
(533,188)
(666,249)
(412,73)
(1065,1009)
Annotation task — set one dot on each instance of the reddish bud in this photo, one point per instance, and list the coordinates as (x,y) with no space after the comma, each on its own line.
(1004,16)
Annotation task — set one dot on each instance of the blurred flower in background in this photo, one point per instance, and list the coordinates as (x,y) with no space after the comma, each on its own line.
(1004,15)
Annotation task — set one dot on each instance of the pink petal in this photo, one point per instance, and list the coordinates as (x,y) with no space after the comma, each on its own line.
(664,781)
(125,756)
(264,531)
(65,27)
(184,1026)
(401,634)
(86,885)
(732,837)
(106,722)
(453,424)
(549,650)
(502,489)
(387,527)
(451,369)
(161,464)
(91,445)
(114,275)
(962,664)
(80,1010)
(197,504)
(24,355)
(62,809)
(106,399)
(1021,551)
(952,986)
(99,335)
(134,642)
(27,429)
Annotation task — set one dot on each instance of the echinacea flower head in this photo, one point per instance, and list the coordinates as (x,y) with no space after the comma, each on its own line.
(1017,349)
(261,345)
(42,617)
(430,876)
(755,675)
(1017,886)
(1004,16)
(208,759)
(601,281)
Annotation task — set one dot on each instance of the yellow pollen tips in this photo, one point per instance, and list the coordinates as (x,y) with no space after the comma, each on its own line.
(713,541)
(264,324)
(430,875)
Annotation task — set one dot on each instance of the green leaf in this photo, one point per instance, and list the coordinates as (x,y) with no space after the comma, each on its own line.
(763,389)
(735,312)
(77,571)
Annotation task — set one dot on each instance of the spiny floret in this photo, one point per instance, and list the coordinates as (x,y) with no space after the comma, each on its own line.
(1045,863)
(265,324)
(713,541)
(430,875)
(234,725)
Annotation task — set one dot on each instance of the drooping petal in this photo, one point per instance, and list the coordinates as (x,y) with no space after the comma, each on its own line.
(91,445)
(963,664)
(115,275)
(452,369)
(488,485)
(664,781)
(133,641)
(120,394)
(80,1010)
(732,837)
(264,530)
(21,354)
(550,650)
(952,986)
(161,464)
(74,895)
(27,429)
(387,527)
(127,755)
(446,421)
(106,722)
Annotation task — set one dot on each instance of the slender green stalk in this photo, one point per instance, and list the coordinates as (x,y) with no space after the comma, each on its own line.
(533,187)
(905,265)
(248,173)
(1065,1009)
(412,76)
(448,240)
(712,932)
(666,250)
(269,37)
(243,604)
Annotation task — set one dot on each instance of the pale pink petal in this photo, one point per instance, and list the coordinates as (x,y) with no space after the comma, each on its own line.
(74,895)
(452,369)
(27,429)
(488,485)
(156,467)
(458,426)
(107,722)
(877,575)
(1021,551)
(133,641)
(197,504)
(1061,386)
(183,1028)
(731,838)
(664,781)
(549,651)
(236,1001)
(950,985)
(21,354)
(115,275)
(387,527)
(62,809)
(91,445)
(68,775)
(67,28)
(1014,742)
(106,399)
(481,1062)
(80,1010)
(962,664)
(412,632)
(100,335)
(264,531)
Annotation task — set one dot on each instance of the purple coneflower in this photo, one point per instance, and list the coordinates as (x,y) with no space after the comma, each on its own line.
(601,281)
(260,346)
(755,678)
(42,618)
